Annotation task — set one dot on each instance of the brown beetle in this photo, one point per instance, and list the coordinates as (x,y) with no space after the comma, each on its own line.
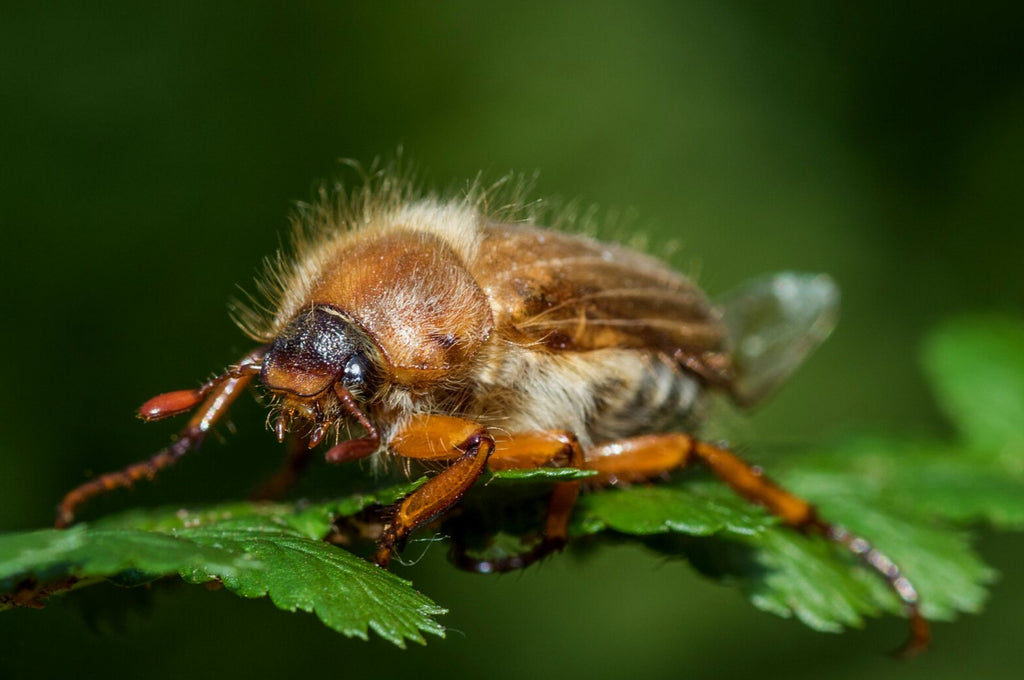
(451,334)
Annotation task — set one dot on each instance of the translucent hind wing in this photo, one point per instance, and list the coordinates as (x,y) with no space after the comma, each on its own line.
(774,323)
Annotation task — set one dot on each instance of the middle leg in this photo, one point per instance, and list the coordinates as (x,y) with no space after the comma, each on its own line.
(527,450)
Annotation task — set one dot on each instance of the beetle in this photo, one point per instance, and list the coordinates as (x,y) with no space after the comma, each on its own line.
(448,332)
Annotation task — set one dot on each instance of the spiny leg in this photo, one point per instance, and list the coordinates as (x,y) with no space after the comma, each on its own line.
(920,629)
(218,393)
(434,437)
(645,457)
(533,450)
(360,447)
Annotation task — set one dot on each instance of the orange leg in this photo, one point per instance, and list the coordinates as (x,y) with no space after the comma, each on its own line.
(219,394)
(531,450)
(644,457)
(435,437)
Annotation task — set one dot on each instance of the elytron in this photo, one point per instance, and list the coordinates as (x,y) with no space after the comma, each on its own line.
(445,330)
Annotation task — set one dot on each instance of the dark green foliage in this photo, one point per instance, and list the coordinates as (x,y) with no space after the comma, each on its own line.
(911,499)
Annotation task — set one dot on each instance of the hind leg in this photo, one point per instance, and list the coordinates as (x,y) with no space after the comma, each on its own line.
(645,457)
(641,458)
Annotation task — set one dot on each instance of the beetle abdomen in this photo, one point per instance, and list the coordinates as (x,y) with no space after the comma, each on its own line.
(599,396)
(644,393)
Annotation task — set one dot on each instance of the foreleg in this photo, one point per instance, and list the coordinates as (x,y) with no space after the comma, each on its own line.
(218,393)
(434,437)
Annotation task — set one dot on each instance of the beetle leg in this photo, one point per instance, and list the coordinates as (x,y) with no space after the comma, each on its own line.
(353,449)
(643,457)
(435,437)
(219,394)
(532,450)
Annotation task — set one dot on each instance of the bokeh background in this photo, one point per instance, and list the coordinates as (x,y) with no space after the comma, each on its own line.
(149,155)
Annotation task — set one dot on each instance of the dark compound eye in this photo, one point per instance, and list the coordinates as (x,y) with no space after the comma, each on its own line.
(356,371)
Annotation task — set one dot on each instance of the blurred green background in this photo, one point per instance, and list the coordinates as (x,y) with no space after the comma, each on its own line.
(151,153)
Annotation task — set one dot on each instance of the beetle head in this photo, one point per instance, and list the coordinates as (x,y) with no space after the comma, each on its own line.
(320,349)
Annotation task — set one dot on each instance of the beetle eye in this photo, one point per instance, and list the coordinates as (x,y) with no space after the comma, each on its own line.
(356,371)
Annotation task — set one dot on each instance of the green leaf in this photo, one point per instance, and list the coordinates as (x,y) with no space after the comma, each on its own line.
(255,549)
(313,520)
(976,366)
(700,508)
(85,553)
(543,475)
(801,576)
(789,573)
(929,479)
(316,521)
(938,559)
(346,592)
